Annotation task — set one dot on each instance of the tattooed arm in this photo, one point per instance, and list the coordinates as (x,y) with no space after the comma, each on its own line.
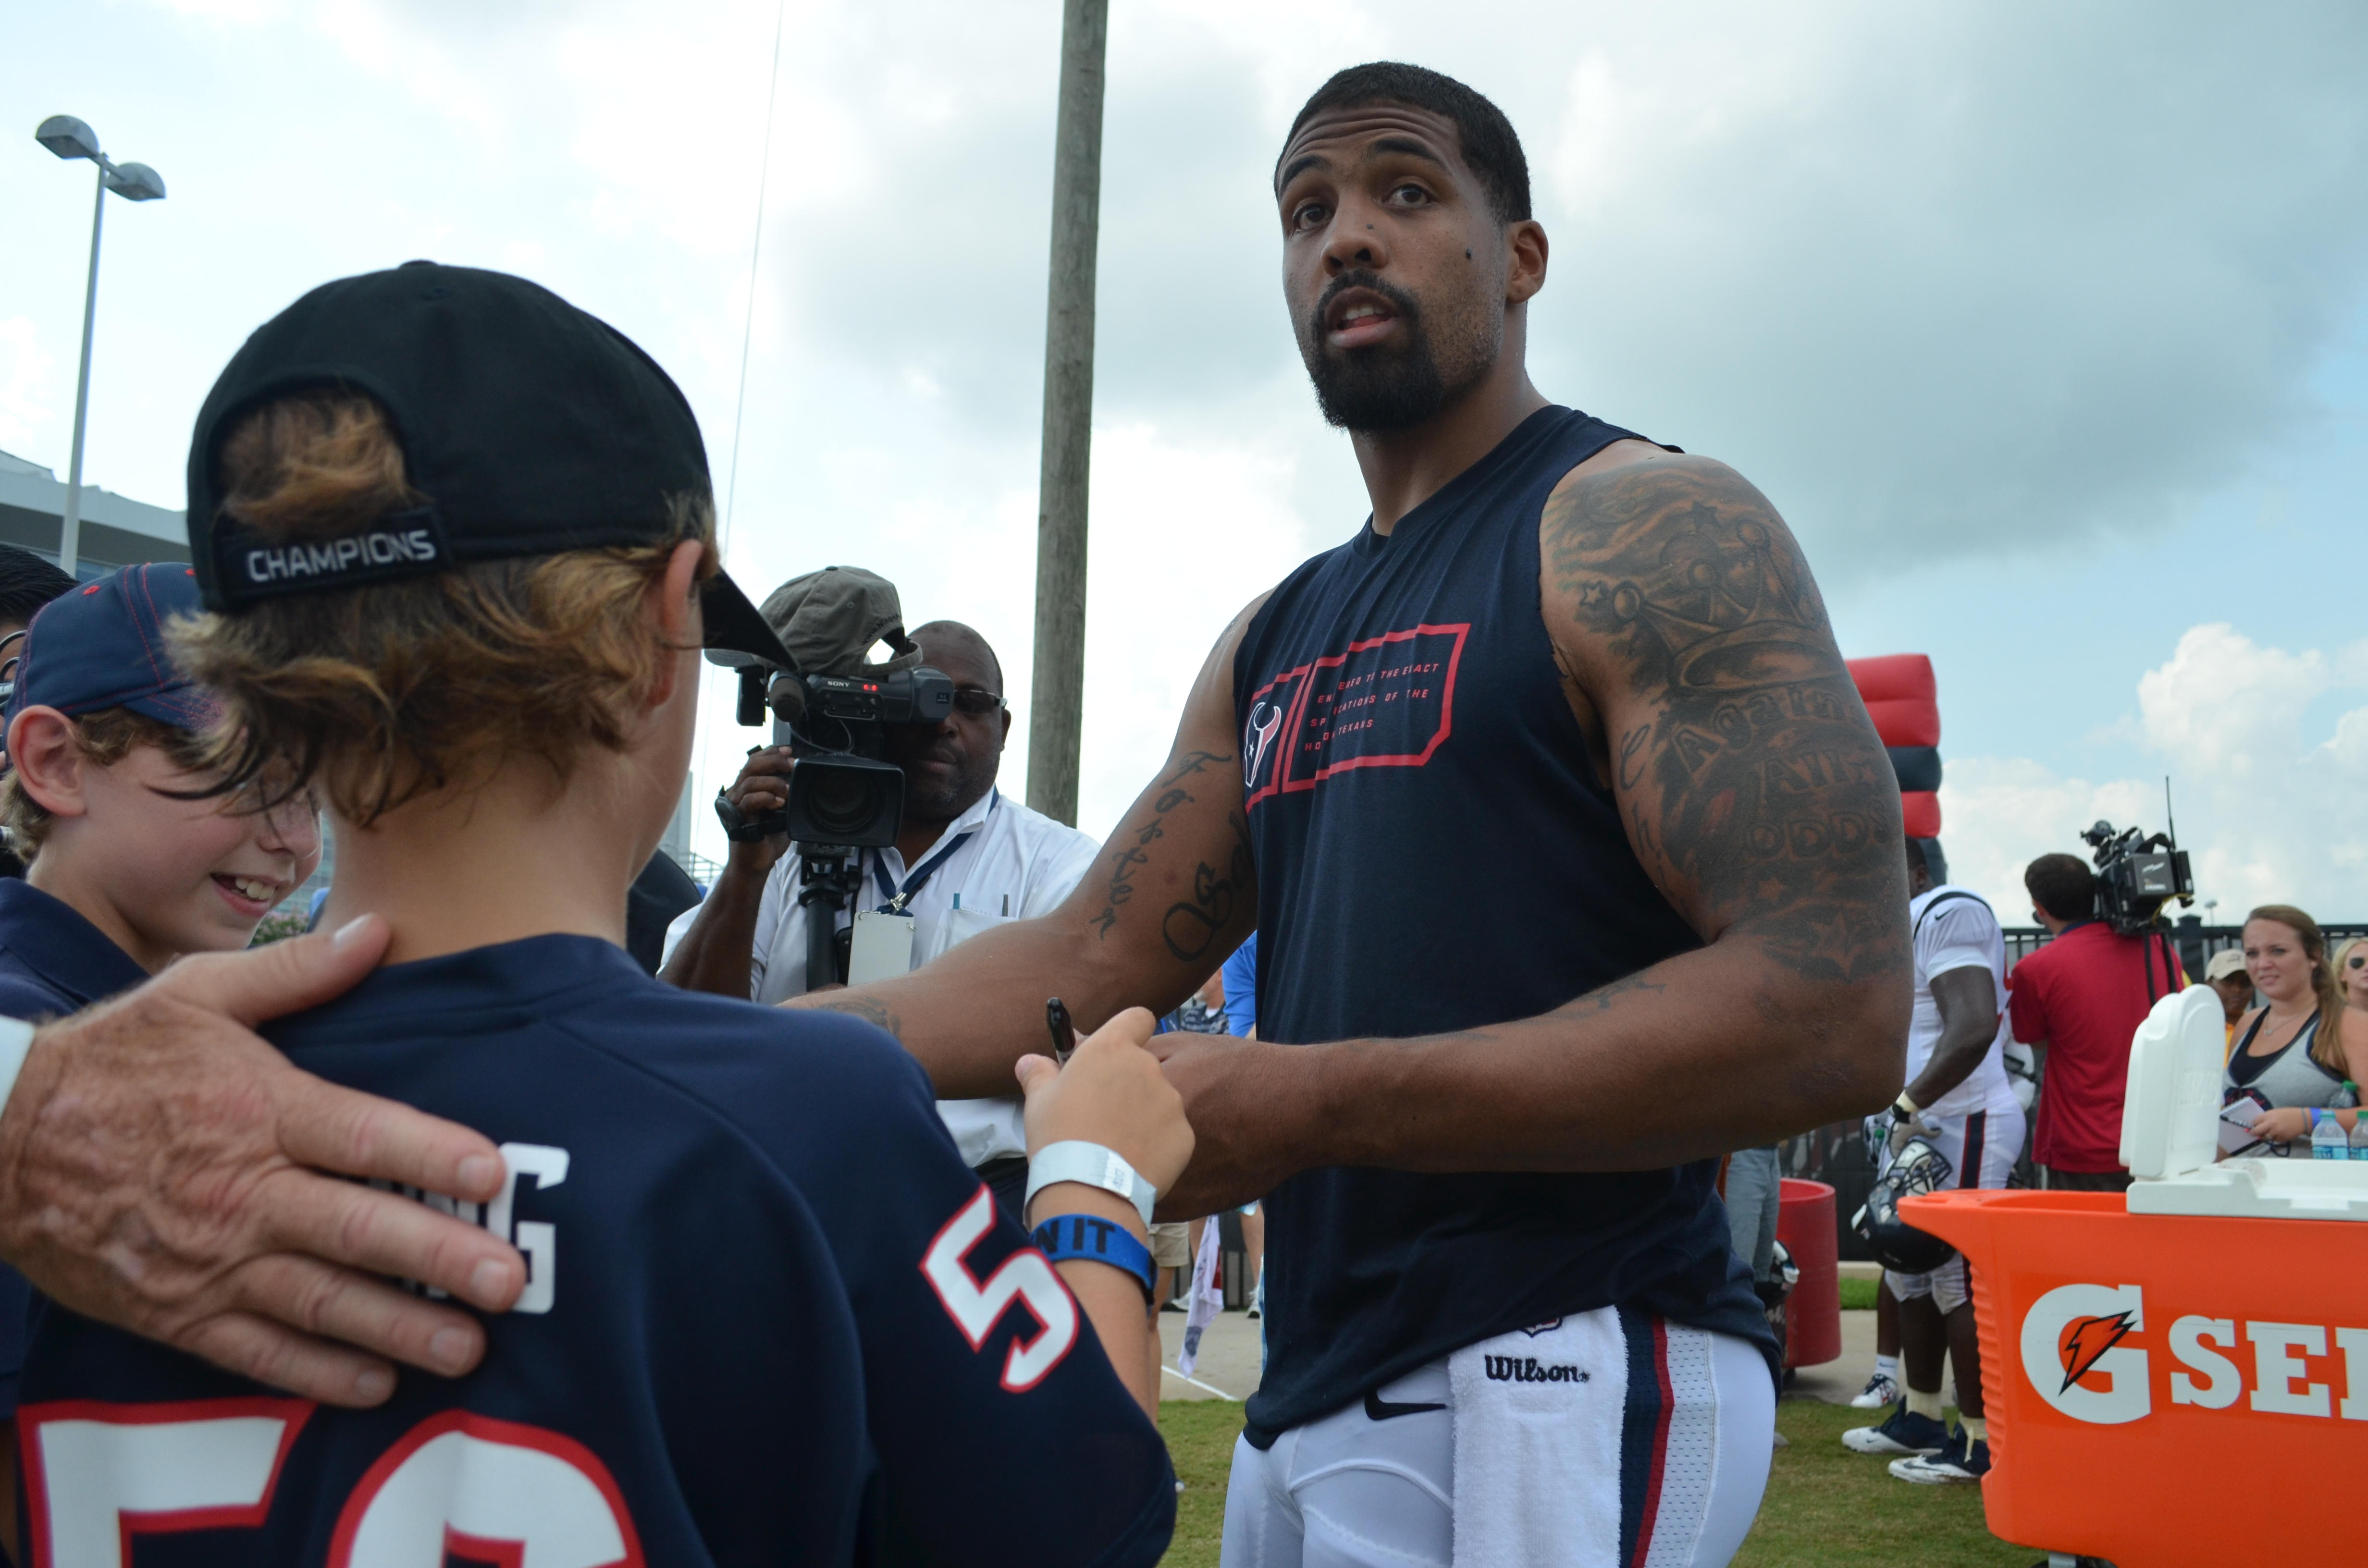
(1172,894)
(1694,651)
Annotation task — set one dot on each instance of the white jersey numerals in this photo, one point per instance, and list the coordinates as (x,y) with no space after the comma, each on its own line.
(97,1475)
(484,1488)
(976,1307)
(539,1239)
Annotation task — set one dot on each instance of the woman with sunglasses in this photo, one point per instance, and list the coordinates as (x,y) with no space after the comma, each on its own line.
(2351,973)
(2296,1049)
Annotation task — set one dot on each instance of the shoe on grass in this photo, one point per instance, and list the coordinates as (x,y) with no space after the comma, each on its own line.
(1880,1391)
(1955,1465)
(1904,1433)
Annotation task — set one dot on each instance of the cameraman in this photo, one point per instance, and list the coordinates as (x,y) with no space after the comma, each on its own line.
(2076,1003)
(965,859)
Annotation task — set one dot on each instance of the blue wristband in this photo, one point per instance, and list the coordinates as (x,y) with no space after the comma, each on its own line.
(1067,1236)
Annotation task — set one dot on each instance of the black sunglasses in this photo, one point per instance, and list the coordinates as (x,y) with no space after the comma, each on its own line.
(978,704)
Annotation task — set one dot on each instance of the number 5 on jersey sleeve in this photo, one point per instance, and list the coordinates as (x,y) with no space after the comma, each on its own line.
(976,1307)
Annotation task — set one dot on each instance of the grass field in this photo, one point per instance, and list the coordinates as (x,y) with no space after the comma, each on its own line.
(1858,1295)
(1826,1507)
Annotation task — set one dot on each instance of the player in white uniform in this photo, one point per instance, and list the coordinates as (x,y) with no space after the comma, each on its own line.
(1960,1100)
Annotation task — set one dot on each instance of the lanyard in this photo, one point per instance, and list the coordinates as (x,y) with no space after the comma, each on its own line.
(899,897)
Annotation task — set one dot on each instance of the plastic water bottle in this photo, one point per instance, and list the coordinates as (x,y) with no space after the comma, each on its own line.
(2328,1141)
(2360,1138)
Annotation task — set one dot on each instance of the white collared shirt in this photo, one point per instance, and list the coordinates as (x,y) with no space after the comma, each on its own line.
(1015,865)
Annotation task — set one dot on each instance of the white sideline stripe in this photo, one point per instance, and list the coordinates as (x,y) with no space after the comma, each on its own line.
(1197,1384)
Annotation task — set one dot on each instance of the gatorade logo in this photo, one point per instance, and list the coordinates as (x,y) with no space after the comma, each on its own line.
(2075,1358)
(2073,1354)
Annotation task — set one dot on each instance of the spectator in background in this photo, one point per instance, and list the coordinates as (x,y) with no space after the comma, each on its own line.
(2294,1052)
(1174,1245)
(27,583)
(2225,975)
(1204,1011)
(1239,977)
(2351,971)
(2076,1003)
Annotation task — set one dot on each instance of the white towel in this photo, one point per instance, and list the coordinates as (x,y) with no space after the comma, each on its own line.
(1539,1418)
(1205,1298)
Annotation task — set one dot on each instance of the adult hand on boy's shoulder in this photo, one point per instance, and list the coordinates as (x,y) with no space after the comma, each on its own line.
(160,1170)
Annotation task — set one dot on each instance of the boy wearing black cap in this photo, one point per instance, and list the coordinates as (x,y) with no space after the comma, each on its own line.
(459,538)
(133,862)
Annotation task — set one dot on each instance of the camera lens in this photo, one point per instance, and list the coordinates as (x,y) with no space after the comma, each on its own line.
(843,801)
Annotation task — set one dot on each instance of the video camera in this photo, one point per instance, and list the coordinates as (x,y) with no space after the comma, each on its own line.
(831,707)
(2137,875)
(840,792)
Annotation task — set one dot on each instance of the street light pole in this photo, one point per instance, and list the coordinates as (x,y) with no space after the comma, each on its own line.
(70,528)
(71,137)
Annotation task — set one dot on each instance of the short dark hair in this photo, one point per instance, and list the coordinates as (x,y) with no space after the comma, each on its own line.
(2061,885)
(27,583)
(1489,147)
(959,629)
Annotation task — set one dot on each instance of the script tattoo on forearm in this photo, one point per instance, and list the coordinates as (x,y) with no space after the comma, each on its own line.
(1758,785)
(1191,926)
(1133,841)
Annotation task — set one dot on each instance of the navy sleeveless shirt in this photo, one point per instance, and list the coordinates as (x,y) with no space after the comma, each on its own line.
(1435,853)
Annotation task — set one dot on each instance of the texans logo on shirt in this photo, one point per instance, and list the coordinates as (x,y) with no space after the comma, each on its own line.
(1387,701)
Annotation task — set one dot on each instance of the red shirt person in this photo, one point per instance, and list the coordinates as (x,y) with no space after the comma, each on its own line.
(2076,1002)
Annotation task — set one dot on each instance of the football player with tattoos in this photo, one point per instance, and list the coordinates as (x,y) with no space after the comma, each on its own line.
(1575,863)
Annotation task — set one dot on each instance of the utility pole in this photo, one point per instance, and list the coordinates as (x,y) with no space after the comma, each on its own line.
(1056,711)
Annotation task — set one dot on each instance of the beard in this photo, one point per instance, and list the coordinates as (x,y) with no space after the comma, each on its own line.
(1383,389)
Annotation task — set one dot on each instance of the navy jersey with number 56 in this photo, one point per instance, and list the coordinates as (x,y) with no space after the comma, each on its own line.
(771,1318)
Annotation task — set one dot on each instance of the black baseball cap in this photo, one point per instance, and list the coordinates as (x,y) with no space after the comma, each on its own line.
(102,645)
(531,427)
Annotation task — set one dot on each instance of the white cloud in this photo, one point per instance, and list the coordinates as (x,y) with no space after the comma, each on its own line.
(2268,803)
(26,399)
(2227,707)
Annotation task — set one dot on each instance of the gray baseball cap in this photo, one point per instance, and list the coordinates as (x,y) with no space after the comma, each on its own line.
(829,620)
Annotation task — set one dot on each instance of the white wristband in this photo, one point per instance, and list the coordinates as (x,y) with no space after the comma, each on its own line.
(15,1040)
(1095,1166)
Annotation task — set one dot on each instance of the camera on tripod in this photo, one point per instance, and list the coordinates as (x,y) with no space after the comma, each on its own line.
(2137,875)
(840,791)
(831,705)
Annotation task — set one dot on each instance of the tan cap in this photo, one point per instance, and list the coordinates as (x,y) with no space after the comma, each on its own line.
(829,620)
(2226,962)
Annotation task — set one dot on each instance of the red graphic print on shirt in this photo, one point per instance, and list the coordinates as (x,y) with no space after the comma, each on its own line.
(1388,701)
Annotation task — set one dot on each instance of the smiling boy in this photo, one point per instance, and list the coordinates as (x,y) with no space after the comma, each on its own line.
(133,862)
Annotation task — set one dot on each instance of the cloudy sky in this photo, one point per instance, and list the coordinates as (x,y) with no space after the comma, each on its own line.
(2045,326)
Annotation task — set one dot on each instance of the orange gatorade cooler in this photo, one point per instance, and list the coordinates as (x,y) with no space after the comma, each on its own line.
(2168,1373)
